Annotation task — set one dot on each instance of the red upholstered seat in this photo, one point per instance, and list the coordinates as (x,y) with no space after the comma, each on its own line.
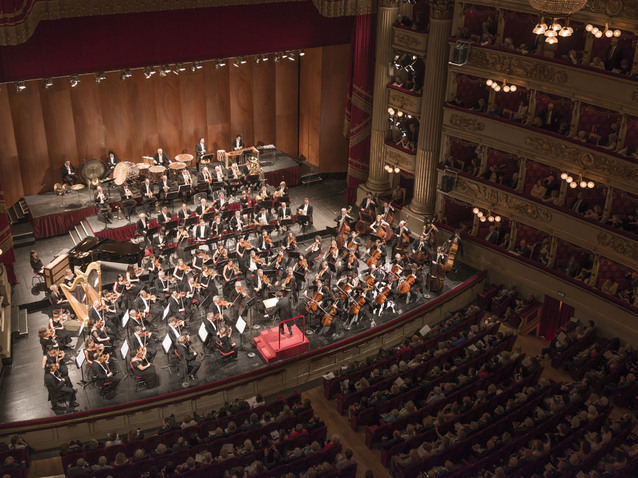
(597,120)
(462,150)
(475,16)
(505,163)
(470,89)
(563,105)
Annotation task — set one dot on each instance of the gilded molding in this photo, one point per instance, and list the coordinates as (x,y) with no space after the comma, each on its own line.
(411,41)
(516,65)
(408,103)
(342,8)
(620,245)
(614,8)
(441,9)
(505,201)
(407,162)
(15,31)
(466,122)
(587,160)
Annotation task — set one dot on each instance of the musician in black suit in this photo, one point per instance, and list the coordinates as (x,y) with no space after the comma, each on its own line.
(204,175)
(68,173)
(162,286)
(188,355)
(550,117)
(147,195)
(305,213)
(200,150)
(142,226)
(137,340)
(201,232)
(160,241)
(238,143)
(128,202)
(236,222)
(163,217)
(58,388)
(184,213)
(165,186)
(211,328)
(111,162)
(284,310)
(160,158)
(368,202)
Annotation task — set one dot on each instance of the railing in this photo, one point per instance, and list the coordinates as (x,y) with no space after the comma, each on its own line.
(303,328)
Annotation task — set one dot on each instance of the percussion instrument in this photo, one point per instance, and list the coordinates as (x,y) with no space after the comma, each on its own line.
(143,167)
(60,189)
(91,169)
(221,156)
(77,187)
(125,171)
(95,182)
(176,167)
(148,160)
(156,171)
(254,167)
(185,158)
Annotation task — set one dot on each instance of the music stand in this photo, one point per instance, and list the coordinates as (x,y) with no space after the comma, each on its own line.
(170,197)
(202,333)
(240,325)
(191,221)
(125,318)
(167,344)
(227,214)
(79,361)
(124,353)
(170,225)
(209,216)
(203,186)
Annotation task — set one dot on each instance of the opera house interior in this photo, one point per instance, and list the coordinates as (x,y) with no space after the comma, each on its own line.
(337,238)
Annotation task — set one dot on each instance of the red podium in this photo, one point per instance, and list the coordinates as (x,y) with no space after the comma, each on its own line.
(273,346)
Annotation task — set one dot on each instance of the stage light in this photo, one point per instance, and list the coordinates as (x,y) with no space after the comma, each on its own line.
(590,184)
(475,210)
(397,170)
(100,77)
(20,86)
(164,70)
(125,74)
(497,218)
(563,176)
(291,56)
(47,83)
(257,60)
(391,110)
(264,57)
(573,185)
(149,71)
(302,53)
(236,62)
(220,64)
(198,65)
(74,80)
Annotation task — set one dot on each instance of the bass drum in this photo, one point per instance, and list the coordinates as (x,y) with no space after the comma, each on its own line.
(125,171)
(92,169)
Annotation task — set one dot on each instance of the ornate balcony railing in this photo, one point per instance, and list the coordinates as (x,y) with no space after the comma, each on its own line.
(409,40)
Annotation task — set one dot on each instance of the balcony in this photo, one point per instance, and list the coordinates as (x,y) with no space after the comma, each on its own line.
(541,146)
(589,85)
(408,40)
(406,102)
(396,156)
(598,239)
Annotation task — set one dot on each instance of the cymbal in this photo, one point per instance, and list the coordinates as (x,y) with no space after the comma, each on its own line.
(77,187)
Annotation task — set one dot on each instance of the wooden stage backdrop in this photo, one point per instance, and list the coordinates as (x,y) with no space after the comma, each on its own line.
(40,129)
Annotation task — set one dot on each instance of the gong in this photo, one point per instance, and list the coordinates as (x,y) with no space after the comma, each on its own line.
(93,168)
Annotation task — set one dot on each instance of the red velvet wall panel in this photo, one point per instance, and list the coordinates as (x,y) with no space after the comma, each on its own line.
(9,162)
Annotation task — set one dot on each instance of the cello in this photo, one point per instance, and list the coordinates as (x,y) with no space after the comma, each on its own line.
(406,285)
(449,261)
(329,316)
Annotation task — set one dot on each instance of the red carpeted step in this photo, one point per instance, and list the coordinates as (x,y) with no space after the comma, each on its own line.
(268,344)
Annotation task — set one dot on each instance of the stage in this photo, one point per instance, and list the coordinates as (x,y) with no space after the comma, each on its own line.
(24,396)
(52,215)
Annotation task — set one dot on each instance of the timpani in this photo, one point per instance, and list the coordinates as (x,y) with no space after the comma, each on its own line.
(156,172)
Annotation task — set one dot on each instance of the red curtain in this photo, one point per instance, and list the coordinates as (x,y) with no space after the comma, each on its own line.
(358,116)
(553,316)
(7,256)
(58,224)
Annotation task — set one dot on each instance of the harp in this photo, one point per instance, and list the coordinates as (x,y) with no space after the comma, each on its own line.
(84,289)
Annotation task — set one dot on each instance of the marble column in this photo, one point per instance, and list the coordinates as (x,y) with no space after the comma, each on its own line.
(386,15)
(427,154)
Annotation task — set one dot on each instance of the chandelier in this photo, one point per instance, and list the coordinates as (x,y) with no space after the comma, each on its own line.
(504,87)
(575,182)
(486,217)
(555,9)
(598,33)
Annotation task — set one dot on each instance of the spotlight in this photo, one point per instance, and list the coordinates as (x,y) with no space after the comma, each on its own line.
(284,54)
(20,86)
(277,57)
(47,83)
(264,57)
(236,62)
(257,60)
(220,64)
(125,74)
(302,53)
(179,67)
(198,65)
(74,80)
(164,70)
(291,56)
(149,71)
(100,77)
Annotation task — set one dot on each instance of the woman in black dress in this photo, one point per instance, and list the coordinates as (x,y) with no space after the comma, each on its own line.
(144,369)
(56,323)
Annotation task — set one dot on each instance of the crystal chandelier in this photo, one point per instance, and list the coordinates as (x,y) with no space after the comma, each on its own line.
(555,9)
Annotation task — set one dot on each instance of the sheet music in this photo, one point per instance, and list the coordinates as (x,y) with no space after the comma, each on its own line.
(202,333)
(240,325)
(124,350)
(125,318)
(80,358)
(424,330)
(166,343)
(165,312)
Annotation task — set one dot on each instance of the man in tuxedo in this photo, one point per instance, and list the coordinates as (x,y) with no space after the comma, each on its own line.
(68,173)
(579,204)
(164,188)
(613,56)
(160,242)
(184,213)
(201,209)
(189,356)
(344,217)
(238,143)
(142,226)
(201,232)
(283,212)
(284,310)
(137,341)
(305,217)
(204,175)
(162,286)
(550,118)
(160,158)
(492,235)
(236,222)
(163,217)
(147,195)
(200,150)
(111,162)
(58,388)
(369,203)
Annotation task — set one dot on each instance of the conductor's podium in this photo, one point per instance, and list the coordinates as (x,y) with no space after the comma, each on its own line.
(268,344)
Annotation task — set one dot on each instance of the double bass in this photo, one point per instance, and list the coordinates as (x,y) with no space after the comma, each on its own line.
(343,231)
(436,277)
(449,261)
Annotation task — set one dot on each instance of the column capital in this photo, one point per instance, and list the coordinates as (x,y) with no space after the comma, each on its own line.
(388,4)
(441,9)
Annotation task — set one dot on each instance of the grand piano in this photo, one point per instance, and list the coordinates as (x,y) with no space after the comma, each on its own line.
(93,249)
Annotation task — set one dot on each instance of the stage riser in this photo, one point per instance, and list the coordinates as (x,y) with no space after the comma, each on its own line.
(276,379)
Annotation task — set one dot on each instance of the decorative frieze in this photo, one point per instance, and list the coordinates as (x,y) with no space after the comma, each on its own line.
(396,157)
(410,41)
(407,103)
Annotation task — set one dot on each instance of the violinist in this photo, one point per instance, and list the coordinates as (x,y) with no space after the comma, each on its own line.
(198,262)
(332,254)
(104,372)
(100,337)
(291,242)
(139,340)
(152,267)
(260,283)
(180,271)
(184,213)
(241,247)
(227,345)
(288,284)
(324,274)
(176,305)
(217,308)
(220,255)
(162,285)
(351,263)
(229,273)
(210,324)
(201,232)
(56,323)
(236,222)
(92,350)
(182,239)
(315,303)
(135,320)
(313,251)
(143,304)
(56,356)
(185,353)
(254,262)
(144,368)
(47,337)
(278,262)
(96,312)
(173,329)
(237,297)
(133,279)
(119,288)
(207,281)
(302,265)
(59,390)
(191,289)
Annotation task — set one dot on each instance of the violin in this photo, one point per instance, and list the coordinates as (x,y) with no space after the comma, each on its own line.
(266,281)
(292,242)
(223,303)
(286,282)
(141,353)
(258,260)
(303,263)
(268,240)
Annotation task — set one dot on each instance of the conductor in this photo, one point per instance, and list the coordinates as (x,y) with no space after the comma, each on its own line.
(284,309)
